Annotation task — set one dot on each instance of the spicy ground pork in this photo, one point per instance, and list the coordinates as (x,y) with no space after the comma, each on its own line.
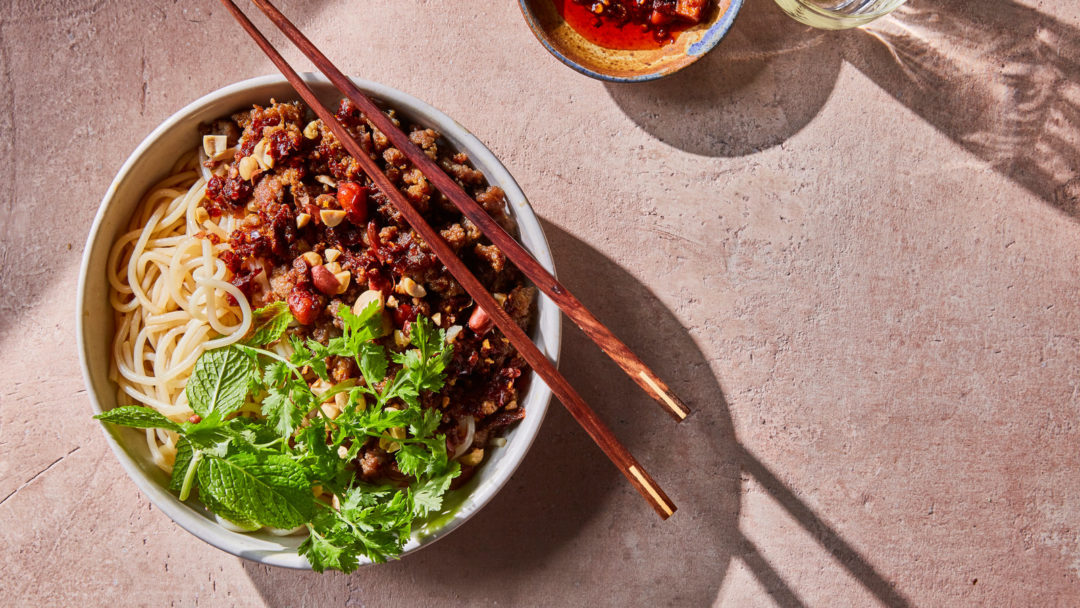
(316,233)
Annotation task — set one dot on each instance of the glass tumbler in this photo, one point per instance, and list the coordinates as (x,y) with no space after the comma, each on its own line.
(837,14)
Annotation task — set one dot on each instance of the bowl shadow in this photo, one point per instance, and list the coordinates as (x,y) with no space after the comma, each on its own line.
(567,512)
(762,84)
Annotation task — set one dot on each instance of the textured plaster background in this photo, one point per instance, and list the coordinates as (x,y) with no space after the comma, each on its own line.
(854,254)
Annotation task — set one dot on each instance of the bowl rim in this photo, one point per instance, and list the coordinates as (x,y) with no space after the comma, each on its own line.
(548,326)
(713,36)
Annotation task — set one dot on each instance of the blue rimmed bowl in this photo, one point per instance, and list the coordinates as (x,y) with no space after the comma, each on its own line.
(613,65)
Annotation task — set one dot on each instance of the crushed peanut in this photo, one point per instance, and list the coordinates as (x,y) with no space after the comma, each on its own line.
(214,144)
(344,278)
(329,410)
(257,154)
(331,217)
(247,167)
(411,287)
(452,333)
(365,300)
(331,254)
(312,258)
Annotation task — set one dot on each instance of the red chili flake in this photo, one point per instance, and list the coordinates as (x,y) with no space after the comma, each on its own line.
(403,314)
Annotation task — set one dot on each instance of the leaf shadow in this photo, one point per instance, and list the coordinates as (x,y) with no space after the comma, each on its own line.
(998,78)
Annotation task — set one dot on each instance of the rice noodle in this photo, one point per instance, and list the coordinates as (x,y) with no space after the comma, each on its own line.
(171,300)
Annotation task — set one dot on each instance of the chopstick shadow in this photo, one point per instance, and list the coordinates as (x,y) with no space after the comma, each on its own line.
(569,521)
(854,562)
(1000,79)
(768,78)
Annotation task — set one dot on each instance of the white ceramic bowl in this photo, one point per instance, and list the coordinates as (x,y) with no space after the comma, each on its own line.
(148,164)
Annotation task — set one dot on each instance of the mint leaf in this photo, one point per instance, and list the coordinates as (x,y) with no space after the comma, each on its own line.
(219,382)
(269,323)
(268,489)
(139,417)
(180,465)
(259,471)
(227,511)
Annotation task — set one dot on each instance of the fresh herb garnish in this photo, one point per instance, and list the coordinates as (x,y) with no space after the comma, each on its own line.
(261,471)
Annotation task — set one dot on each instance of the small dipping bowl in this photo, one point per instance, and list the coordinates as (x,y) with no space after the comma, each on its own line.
(615,65)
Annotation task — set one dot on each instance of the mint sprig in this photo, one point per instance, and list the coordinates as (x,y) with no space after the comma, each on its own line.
(261,471)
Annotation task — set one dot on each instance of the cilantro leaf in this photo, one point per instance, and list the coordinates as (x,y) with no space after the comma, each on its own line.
(366,326)
(311,354)
(275,373)
(412,459)
(372,362)
(139,417)
(426,425)
(331,550)
(219,382)
(320,458)
(269,489)
(427,495)
(269,323)
(285,407)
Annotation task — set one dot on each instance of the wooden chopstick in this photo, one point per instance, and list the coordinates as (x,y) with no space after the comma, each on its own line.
(573,402)
(574,309)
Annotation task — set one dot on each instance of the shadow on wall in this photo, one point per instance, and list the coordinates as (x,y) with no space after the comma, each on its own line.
(569,521)
(1000,79)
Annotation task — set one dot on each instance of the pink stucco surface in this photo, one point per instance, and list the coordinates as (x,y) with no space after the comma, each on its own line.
(854,254)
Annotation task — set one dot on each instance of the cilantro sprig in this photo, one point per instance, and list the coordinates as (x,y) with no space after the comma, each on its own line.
(262,469)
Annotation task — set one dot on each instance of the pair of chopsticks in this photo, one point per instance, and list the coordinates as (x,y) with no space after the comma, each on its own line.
(569,304)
